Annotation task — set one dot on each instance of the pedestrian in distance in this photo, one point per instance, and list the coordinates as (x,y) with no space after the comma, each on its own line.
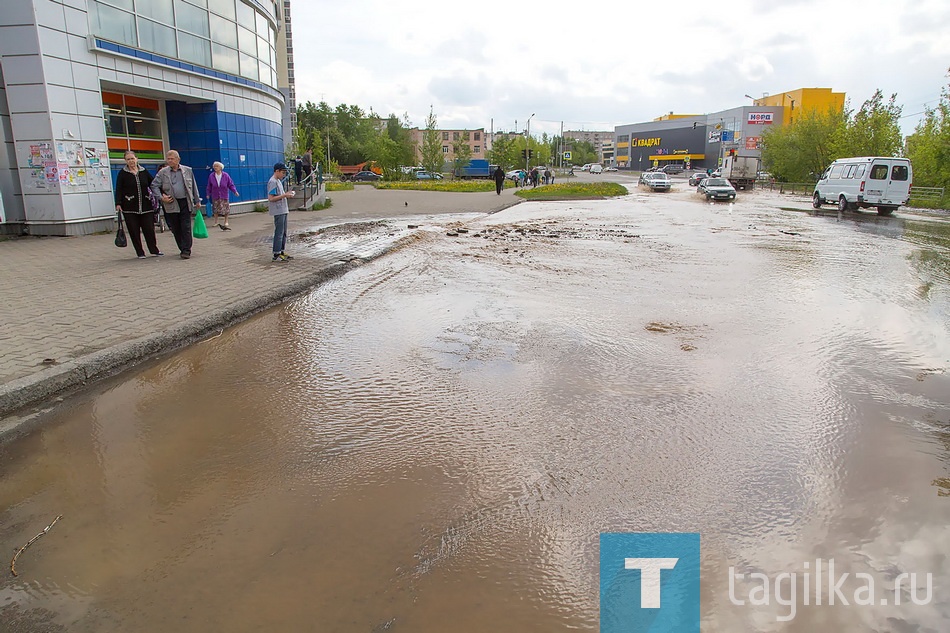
(547,176)
(277,206)
(298,169)
(132,199)
(218,191)
(175,186)
(307,160)
(499,179)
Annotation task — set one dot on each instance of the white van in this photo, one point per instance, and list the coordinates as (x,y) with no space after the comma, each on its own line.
(596,168)
(869,181)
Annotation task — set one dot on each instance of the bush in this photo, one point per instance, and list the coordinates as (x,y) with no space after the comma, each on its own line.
(327,203)
(339,186)
(574,190)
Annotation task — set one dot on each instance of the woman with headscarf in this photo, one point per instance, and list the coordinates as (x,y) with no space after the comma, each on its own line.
(219,184)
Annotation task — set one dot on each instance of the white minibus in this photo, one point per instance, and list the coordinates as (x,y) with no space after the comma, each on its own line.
(868,181)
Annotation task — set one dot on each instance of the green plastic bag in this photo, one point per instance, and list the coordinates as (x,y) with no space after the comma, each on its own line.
(198,228)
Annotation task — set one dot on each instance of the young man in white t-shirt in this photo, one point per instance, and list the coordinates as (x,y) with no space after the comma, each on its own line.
(277,204)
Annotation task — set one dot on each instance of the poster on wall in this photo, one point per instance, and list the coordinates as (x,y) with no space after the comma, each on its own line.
(96,156)
(39,155)
(99,179)
(70,153)
(753,142)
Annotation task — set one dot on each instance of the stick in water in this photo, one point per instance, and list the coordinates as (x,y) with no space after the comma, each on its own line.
(23,549)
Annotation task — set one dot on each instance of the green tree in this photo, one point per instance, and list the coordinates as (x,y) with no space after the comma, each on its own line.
(929,146)
(506,153)
(800,151)
(432,157)
(874,130)
(462,151)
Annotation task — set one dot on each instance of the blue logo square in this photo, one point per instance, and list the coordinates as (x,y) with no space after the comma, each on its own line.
(649,582)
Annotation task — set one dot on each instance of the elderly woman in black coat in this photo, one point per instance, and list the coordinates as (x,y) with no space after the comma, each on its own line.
(132,199)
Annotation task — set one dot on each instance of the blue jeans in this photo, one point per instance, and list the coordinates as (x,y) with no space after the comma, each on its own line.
(280,233)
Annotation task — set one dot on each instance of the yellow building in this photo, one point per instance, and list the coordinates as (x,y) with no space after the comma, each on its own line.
(795,101)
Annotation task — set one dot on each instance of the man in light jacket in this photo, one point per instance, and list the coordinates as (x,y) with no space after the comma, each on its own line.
(175,186)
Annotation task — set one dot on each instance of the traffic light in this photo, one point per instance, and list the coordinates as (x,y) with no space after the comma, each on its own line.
(524,153)
(530,153)
(694,125)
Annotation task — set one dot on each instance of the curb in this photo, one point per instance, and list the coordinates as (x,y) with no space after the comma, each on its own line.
(18,397)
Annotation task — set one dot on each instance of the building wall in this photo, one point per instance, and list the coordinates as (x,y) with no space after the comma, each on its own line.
(58,57)
(702,139)
(803,100)
(477,141)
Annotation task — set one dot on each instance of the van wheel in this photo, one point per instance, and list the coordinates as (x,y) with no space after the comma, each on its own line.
(843,204)
(886,210)
(816,201)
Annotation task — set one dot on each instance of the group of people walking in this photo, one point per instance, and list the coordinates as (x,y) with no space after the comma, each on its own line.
(140,197)
(534,177)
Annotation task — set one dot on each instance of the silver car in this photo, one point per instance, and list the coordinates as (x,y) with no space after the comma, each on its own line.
(656,181)
(717,189)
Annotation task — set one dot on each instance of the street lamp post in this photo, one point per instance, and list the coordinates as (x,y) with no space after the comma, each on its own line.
(527,145)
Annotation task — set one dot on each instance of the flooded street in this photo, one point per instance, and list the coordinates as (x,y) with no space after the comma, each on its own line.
(435,441)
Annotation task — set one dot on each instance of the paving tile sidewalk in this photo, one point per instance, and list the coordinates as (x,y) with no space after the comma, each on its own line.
(74,309)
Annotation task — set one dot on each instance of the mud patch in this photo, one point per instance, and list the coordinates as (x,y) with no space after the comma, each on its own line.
(686,334)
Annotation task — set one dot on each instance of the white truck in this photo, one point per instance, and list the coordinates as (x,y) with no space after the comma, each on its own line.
(740,170)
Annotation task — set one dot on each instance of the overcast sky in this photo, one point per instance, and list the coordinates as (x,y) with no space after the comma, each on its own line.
(597,64)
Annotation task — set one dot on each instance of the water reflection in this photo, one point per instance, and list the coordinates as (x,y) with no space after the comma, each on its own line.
(441,435)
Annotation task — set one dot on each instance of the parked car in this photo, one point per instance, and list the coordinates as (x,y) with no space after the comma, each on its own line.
(696,178)
(515,175)
(717,189)
(672,169)
(610,168)
(656,181)
(427,175)
(365,176)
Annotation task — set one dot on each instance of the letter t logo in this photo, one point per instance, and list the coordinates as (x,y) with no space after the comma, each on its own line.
(649,578)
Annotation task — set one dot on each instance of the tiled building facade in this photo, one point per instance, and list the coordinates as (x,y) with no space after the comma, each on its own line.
(85,80)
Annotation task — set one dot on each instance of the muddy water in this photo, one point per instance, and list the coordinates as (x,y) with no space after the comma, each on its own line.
(435,441)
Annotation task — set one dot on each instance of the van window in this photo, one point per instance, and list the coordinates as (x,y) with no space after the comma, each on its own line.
(861,170)
(848,171)
(899,172)
(836,171)
(879,172)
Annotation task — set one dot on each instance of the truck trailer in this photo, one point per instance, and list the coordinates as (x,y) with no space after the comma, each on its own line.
(476,168)
(740,170)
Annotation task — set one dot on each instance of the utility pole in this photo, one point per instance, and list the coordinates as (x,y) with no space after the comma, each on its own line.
(527,145)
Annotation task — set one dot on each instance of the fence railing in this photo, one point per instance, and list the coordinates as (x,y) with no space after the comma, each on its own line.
(926,193)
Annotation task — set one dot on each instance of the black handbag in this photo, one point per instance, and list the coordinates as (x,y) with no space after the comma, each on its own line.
(120,239)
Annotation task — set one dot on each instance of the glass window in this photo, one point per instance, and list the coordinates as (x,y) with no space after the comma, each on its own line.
(125,4)
(247,42)
(899,172)
(201,3)
(455,136)
(264,71)
(249,66)
(223,31)
(156,9)
(848,171)
(477,150)
(245,16)
(263,26)
(146,128)
(272,37)
(836,171)
(115,124)
(879,172)
(445,136)
(194,49)
(112,24)
(861,170)
(139,112)
(223,7)
(262,48)
(224,58)
(157,38)
(445,149)
(192,19)
(273,58)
